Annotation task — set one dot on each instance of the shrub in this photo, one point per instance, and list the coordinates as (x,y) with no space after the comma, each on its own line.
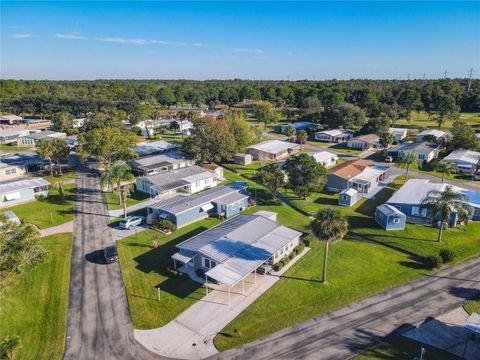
(300,248)
(292,255)
(433,261)
(200,273)
(165,225)
(40,197)
(306,242)
(447,255)
(285,261)
(278,266)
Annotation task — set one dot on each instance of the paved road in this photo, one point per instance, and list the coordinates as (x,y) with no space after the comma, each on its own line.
(348,331)
(99,325)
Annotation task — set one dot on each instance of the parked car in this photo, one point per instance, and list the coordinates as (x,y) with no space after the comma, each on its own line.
(130,221)
(110,254)
(476,176)
(388,159)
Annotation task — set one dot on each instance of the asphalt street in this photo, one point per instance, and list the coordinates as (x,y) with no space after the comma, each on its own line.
(98,324)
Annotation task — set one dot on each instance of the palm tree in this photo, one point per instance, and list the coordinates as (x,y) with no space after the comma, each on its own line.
(443,203)
(329,225)
(46,150)
(119,172)
(290,133)
(409,161)
(301,137)
(124,193)
(446,168)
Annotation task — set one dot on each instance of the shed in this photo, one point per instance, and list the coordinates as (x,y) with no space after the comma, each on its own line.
(243,159)
(389,217)
(348,197)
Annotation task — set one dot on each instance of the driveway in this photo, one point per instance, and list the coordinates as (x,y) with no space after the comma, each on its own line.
(98,322)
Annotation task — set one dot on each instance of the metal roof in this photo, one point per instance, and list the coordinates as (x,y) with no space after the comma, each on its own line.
(240,245)
(46,134)
(349,191)
(370,173)
(186,174)
(469,156)
(172,157)
(22,183)
(20,160)
(335,132)
(181,203)
(274,146)
(432,132)
(389,210)
(13,132)
(473,323)
(147,148)
(324,156)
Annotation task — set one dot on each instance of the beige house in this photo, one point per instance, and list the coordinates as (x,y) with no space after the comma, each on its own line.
(273,150)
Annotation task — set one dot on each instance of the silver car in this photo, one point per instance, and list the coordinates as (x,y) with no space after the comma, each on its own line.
(130,221)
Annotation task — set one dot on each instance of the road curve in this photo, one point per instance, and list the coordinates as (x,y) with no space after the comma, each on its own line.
(350,330)
(98,323)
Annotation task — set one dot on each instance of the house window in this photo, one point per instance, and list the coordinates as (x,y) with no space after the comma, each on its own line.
(396,221)
(476,212)
(421,156)
(10,171)
(415,211)
(344,197)
(209,264)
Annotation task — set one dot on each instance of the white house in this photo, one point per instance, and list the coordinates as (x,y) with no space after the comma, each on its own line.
(425,152)
(325,158)
(335,135)
(10,119)
(364,142)
(188,180)
(185,126)
(77,123)
(11,135)
(398,133)
(23,189)
(32,138)
(430,133)
(467,161)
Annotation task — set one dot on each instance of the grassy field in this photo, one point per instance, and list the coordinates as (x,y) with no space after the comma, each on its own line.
(472,306)
(68,175)
(402,348)
(134,198)
(51,211)
(425,121)
(35,306)
(144,269)
(173,138)
(13,148)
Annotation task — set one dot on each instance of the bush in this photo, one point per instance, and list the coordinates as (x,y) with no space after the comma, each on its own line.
(447,255)
(300,248)
(200,273)
(40,197)
(165,225)
(306,242)
(292,255)
(433,261)
(278,266)
(285,261)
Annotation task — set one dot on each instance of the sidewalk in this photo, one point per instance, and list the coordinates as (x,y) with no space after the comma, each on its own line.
(190,335)
(62,228)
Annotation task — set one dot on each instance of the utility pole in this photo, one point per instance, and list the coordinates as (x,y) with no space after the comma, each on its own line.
(470,80)
(408,77)
(445,74)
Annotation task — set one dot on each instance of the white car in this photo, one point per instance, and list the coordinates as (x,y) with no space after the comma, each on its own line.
(130,221)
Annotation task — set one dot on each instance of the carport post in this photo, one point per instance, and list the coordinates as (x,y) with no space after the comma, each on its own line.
(206,285)
(255,277)
(229,296)
(243,286)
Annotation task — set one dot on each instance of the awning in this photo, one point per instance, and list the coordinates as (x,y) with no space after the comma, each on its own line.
(207,207)
(164,216)
(13,196)
(183,258)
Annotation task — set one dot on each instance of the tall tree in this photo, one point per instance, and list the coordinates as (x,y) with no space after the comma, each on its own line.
(272,177)
(346,115)
(329,226)
(446,168)
(409,161)
(291,133)
(304,174)
(19,246)
(446,108)
(386,139)
(62,121)
(165,96)
(60,152)
(210,141)
(409,100)
(241,130)
(302,137)
(119,178)
(463,136)
(107,145)
(45,148)
(266,113)
(441,204)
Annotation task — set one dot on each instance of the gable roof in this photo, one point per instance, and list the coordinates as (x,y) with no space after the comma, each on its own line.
(399,131)
(173,157)
(334,132)
(174,179)
(273,146)
(11,117)
(389,210)
(350,169)
(368,138)
(432,132)
(469,156)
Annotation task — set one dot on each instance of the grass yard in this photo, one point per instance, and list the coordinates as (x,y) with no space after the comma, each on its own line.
(67,176)
(173,138)
(358,269)
(34,307)
(401,348)
(51,211)
(13,148)
(472,306)
(144,269)
(425,121)
(342,148)
(430,169)
(134,198)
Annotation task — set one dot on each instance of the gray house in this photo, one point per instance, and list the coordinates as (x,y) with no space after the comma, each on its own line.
(348,197)
(425,152)
(467,161)
(11,135)
(155,164)
(31,139)
(234,249)
(223,201)
(20,190)
(389,217)
(154,147)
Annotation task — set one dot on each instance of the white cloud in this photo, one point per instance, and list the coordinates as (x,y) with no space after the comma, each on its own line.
(254,51)
(71,37)
(22,36)
(125,41)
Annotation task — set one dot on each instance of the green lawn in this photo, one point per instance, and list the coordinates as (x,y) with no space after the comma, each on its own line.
(425,121)
(13,148)
(430,169)
(34,307)
(51,211)
(173,138)
(473,306)
(342,148)
(134,198)
(402,348)
(357,269)
(68,175)
(144,269)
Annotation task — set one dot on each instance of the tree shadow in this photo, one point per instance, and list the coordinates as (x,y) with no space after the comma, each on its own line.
(465,293)
(96,257)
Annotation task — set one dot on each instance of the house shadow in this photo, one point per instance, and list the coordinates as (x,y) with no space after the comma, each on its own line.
(326,201)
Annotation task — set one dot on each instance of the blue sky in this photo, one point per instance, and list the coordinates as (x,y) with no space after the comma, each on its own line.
(250,40)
